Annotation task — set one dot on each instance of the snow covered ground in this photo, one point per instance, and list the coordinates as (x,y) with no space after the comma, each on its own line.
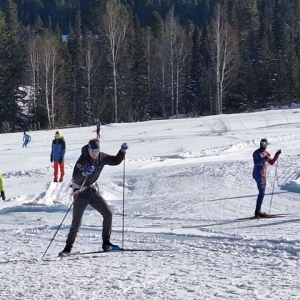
(186,181)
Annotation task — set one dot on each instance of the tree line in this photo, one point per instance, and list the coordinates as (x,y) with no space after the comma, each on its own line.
(69,62)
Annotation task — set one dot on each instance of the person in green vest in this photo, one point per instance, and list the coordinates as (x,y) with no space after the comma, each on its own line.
(2,187)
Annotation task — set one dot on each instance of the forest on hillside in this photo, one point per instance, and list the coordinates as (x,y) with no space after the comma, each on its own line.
(67,62)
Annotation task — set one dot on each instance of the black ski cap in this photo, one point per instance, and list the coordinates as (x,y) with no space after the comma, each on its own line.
(94,144)
(264,143)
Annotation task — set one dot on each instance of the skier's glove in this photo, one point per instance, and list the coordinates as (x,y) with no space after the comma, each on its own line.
(88,171)
(60,161)
(124,146)
(51,159)
(278,152)
(267,157)
(3,195)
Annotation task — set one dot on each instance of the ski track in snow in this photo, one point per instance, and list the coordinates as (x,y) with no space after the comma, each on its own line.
(188,208)
(201,248)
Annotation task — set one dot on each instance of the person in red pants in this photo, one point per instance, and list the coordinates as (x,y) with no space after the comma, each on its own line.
(57,156)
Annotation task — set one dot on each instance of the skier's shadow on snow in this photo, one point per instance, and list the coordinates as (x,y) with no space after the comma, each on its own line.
(238,197)
(281,222)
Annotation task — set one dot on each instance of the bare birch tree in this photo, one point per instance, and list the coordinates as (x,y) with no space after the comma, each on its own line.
(92,61)
(34,63)
(51,72)
(171,37)
(179,49)
(182,50)
(157,51)
(115,26)
(223,52)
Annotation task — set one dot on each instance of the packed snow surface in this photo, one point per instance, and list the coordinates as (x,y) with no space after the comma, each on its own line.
(181,188)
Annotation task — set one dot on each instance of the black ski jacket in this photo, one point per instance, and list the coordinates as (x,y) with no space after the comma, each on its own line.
(85,161)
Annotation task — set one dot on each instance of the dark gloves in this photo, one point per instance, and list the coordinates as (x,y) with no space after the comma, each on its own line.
(267,157)
(3,195)
(278,152)
(60,161)
(124,147)
(51,159)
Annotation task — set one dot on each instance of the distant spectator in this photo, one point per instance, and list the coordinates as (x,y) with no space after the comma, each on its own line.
(26,139)
(98,125)
(2,187)
(57,155)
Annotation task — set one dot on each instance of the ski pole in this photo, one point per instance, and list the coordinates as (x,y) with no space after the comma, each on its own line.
(123,204)
(75,197)
(274,184)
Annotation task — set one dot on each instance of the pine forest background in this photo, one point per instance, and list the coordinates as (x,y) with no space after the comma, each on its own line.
(67,62)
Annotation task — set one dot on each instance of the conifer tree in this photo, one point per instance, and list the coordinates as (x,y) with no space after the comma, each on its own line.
(193,87)
(283,54)
(138,74)
(77,103)
(14,62)
(156,56)
(3,99)
(296,42)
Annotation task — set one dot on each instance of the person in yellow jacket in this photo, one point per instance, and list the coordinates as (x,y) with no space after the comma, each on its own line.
(2,187)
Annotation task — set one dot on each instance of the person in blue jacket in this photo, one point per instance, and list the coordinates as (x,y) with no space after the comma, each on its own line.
(26,139)
(57,155)
(98,125)
(261,157)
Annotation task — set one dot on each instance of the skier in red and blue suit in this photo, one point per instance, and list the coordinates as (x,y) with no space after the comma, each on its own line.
(260,158)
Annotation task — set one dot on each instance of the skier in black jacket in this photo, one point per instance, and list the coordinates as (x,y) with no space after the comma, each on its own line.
(87,170)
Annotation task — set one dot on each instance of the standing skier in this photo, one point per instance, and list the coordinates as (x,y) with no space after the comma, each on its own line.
(87,171)
(98,125)
(57,155)
(26,139)
(2,190)
(260,158)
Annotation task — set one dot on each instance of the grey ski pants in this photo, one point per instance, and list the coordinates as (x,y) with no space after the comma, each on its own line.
(93,198)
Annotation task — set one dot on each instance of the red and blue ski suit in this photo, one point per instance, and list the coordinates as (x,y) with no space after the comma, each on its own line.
(260,158)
